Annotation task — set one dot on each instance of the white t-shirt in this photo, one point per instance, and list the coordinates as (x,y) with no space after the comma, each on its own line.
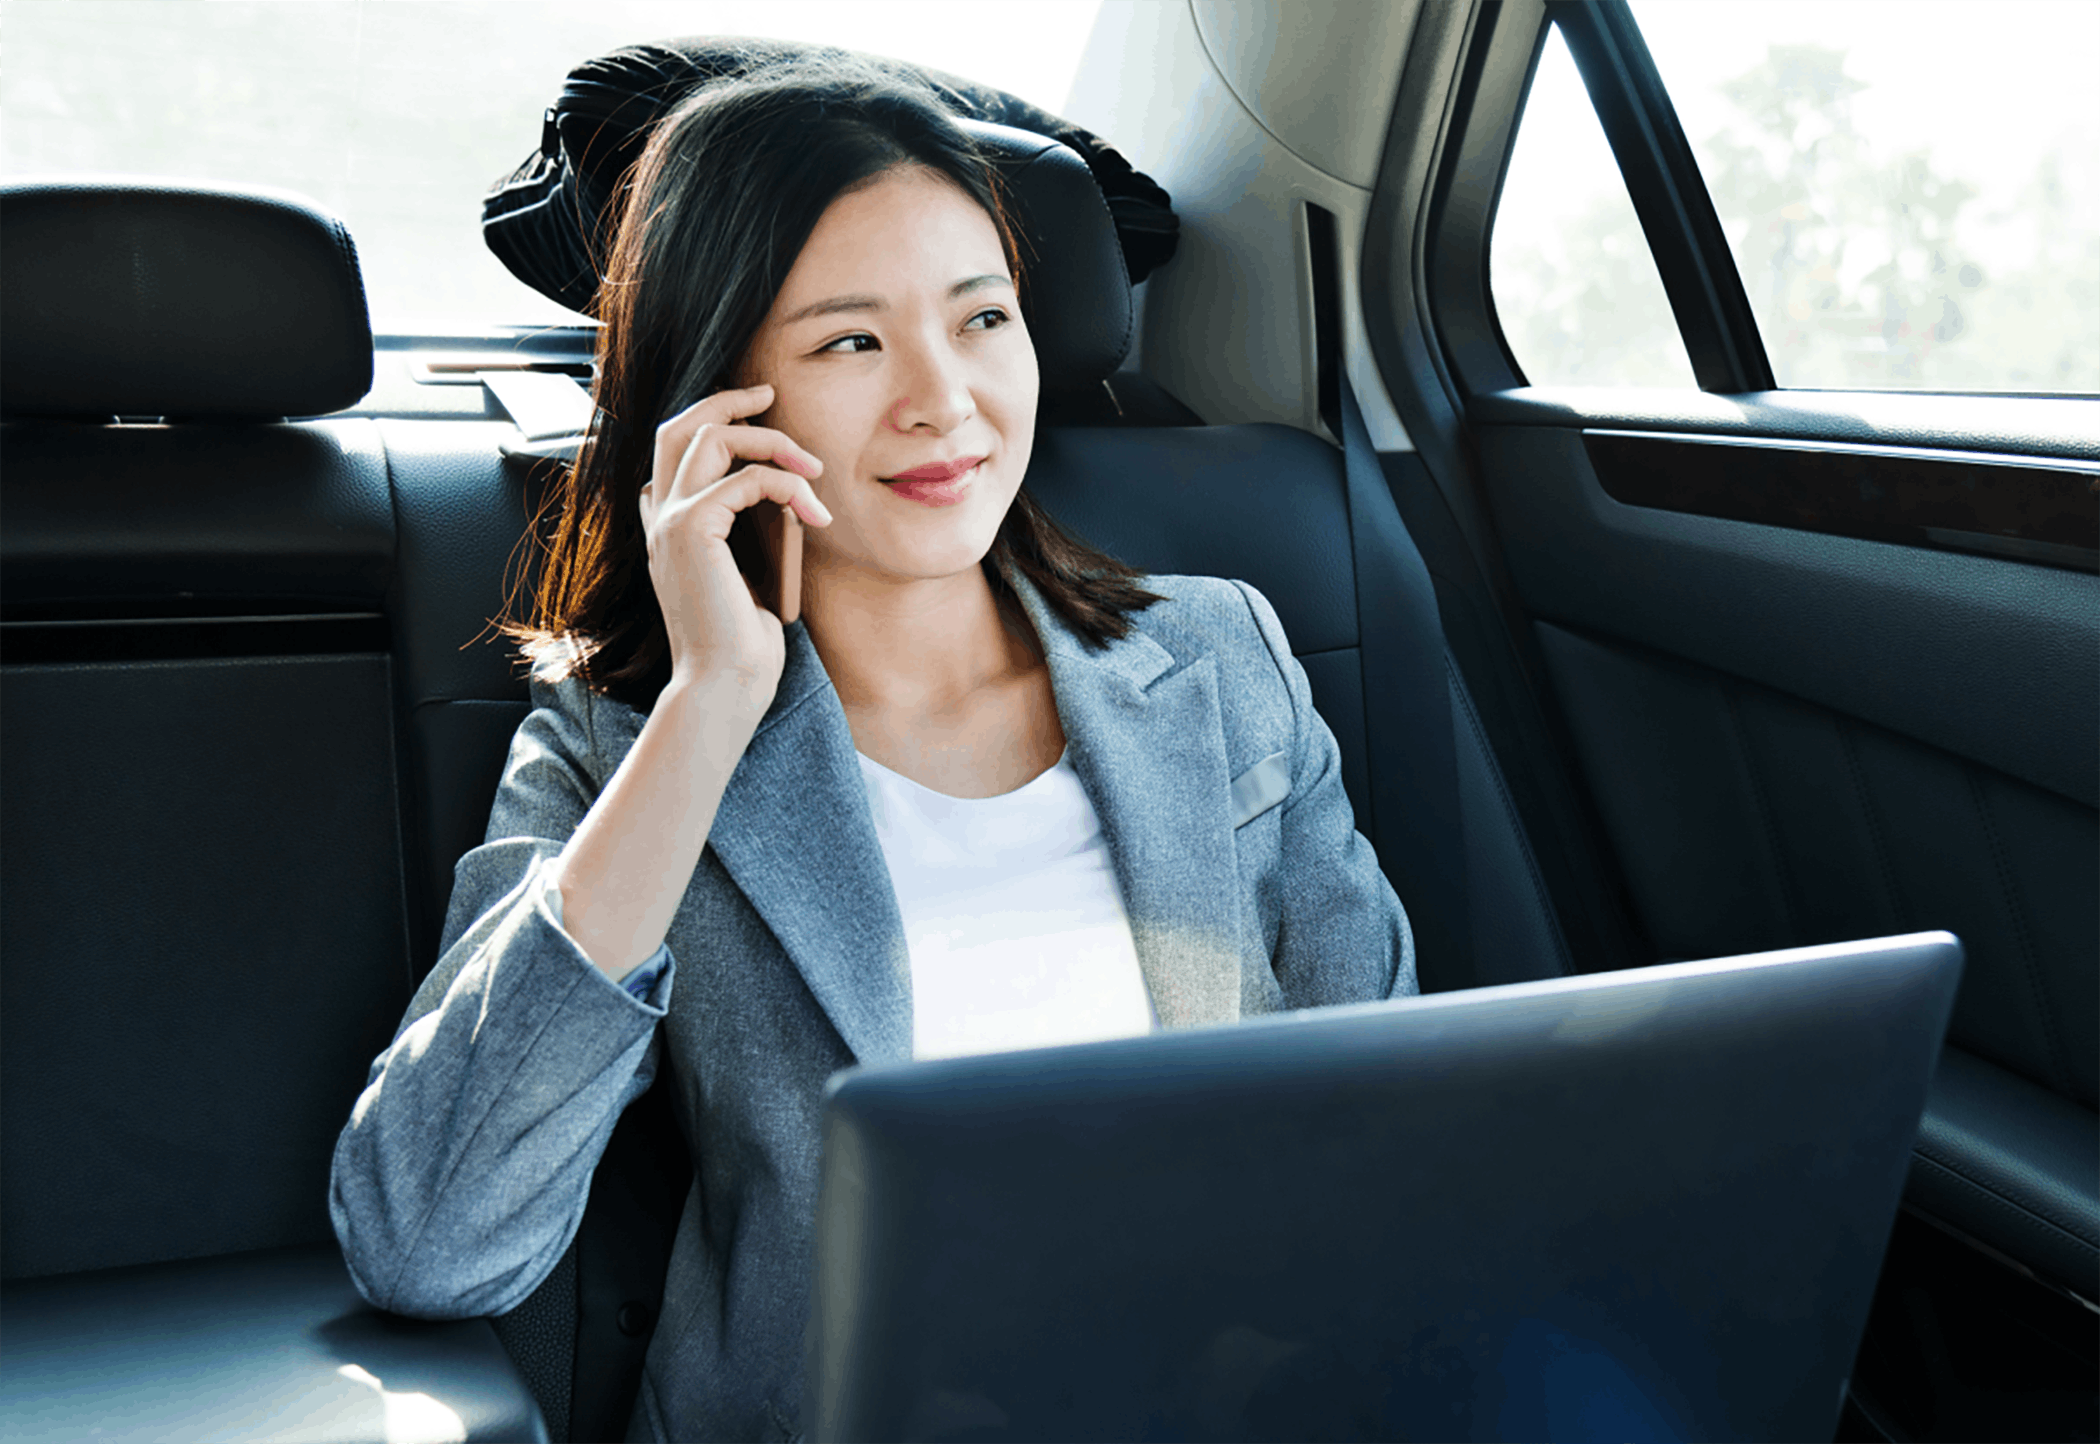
(1016,926)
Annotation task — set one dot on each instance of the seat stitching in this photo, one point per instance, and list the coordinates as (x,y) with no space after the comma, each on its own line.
(1877,836)
(1731,709)
(1993,1195)
(1509,809)
(2030,965)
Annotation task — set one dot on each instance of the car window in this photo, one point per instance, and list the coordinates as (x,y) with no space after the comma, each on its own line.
(1909,188)
(1574,284)
(400,117)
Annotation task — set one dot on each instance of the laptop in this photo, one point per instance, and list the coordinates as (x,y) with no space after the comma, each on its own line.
(1630,1206)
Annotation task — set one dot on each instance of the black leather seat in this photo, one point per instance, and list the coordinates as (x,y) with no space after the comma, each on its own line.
(205,928)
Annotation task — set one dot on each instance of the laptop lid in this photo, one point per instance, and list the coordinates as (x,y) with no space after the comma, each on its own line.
(1640,1205)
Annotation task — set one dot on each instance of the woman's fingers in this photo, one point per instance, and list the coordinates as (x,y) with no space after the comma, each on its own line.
(720,408)
(750,485)
(802,499)
(707,470)
(702,441)
(714,449)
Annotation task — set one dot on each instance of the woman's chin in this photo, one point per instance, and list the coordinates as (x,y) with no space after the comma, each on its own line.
(938,566)
(917,559)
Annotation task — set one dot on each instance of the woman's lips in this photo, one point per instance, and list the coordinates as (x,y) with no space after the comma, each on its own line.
(938,471)
(939,485)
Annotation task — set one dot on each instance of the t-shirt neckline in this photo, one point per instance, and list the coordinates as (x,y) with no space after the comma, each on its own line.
(947,797)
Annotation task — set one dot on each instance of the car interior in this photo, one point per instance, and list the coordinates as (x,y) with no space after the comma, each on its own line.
(1619,676)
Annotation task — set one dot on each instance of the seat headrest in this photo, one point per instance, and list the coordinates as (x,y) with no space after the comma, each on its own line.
(1074,285)
(129,297)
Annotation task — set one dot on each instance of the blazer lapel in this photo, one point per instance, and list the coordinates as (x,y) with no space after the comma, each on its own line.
(795,834)
(1149,746)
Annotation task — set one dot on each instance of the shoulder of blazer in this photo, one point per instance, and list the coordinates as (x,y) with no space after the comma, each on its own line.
(1214,617)
(598,729)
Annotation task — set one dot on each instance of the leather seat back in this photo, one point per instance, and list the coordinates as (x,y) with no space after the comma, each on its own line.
(201,911)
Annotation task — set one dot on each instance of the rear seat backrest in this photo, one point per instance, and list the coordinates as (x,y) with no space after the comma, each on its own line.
(462,509)
(201,910)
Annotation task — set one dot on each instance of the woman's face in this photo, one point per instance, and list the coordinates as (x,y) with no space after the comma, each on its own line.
(896,346)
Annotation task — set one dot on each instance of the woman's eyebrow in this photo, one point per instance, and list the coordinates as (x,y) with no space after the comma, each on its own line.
(835,305)
(977,283)
(838,304)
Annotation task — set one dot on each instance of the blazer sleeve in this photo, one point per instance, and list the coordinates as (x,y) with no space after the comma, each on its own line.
(466,1164)
(1343,934)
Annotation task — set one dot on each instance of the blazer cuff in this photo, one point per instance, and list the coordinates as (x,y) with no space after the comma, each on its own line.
(647,982)
(641,983)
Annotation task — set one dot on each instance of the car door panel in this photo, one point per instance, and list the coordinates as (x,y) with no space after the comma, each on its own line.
(1999,1158)
(1820,665)
(1989,658)
(1794,737)
(2030,510)
(1748,820)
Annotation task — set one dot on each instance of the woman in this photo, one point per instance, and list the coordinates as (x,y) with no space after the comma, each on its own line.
(980,796)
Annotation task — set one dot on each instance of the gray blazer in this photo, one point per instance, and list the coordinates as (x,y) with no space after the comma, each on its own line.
(463,1172)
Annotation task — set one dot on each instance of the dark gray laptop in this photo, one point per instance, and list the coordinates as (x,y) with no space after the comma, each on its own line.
(1630,1206)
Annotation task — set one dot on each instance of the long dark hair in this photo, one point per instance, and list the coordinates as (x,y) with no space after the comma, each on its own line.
(720,204)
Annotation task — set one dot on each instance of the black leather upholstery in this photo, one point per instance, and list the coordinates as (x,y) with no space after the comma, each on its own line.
(462,510)
(150,299)
(1745,819)
(1994,662)
(2005,1161)
(203,928)
(270,1345)
(1516,935)
(199,819)
(203,914)
(207,515)
(1180,500)
(1075,293)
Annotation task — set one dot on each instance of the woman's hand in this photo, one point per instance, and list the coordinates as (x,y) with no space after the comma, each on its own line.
(719,632)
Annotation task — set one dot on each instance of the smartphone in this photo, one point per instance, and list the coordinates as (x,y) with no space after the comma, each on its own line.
(788,566)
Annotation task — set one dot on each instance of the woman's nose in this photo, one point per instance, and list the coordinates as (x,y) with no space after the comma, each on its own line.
(936,392)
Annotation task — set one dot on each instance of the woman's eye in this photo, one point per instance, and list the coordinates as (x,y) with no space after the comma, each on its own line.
(992,314)
(849,345)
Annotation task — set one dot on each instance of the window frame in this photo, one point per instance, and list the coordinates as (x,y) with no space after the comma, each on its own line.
(1662,178)
(1669,194)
